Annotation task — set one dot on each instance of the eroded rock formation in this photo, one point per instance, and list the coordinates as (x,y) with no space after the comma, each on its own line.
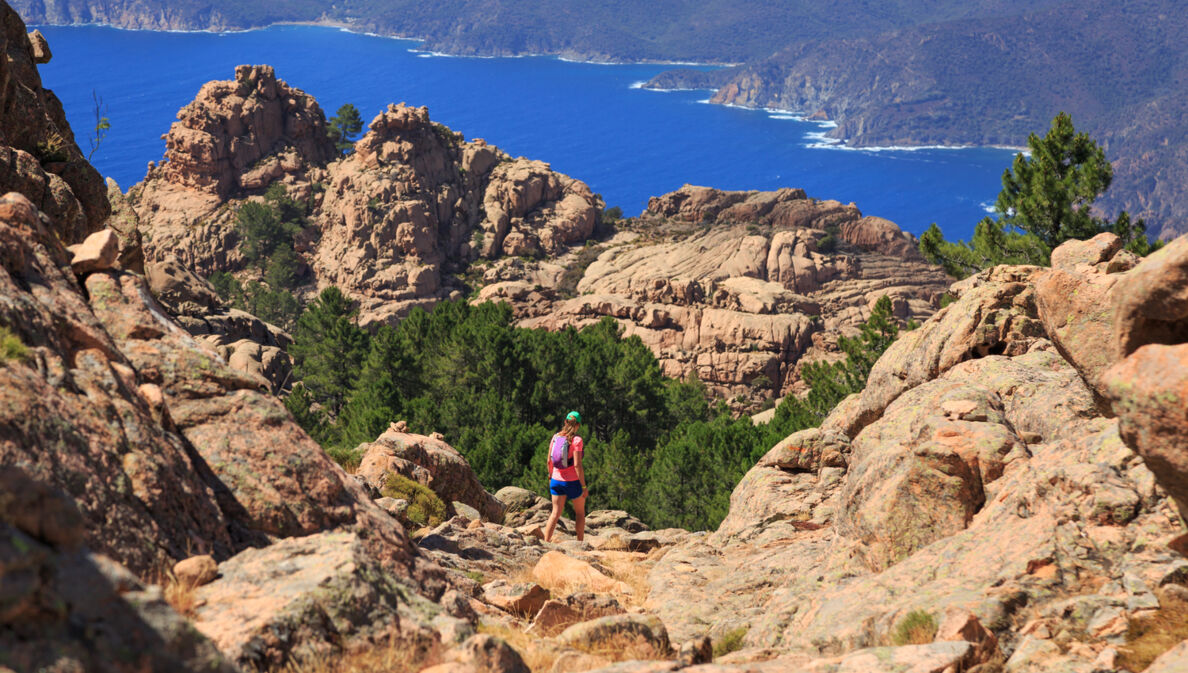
(735,287)
(38,153)
(978,473)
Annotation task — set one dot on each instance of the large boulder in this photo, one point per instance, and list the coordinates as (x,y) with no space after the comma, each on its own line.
(1149,385)
(66,608)
(224,138)
(1073,301)
(996,315)
(431,462)
(306,597)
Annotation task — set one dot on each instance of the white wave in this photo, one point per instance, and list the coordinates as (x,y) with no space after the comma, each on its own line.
(786,116)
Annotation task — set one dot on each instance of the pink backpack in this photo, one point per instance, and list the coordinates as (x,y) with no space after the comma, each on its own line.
(559,452)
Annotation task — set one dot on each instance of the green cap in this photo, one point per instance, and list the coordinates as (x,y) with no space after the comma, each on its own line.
(573,416)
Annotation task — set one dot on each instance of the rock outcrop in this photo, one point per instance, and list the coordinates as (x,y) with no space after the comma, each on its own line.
(431,462)
(134,446)
(394,222)
(736,288)
(38,153)
(415,203)
(980,473)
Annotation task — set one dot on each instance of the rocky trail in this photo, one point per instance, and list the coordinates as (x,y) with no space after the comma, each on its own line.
(1006,495)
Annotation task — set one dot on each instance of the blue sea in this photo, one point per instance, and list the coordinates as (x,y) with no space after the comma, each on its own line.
(591,121)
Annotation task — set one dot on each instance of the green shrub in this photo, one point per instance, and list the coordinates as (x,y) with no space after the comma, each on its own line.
(731,641)
(349,459)
(11,346)
(916,628)
(424,507)
(576,269)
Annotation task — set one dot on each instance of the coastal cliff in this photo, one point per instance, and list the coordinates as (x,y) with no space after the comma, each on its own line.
(729,286)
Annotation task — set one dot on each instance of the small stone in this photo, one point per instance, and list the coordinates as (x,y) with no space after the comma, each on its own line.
(533,530)
(591,633)
(398,426)
(519,599)
(196,571)
(961,625)
(1105,659)
(40,48)
(958,408)
(642,542)
(696,651)
(467,511)
(98,252)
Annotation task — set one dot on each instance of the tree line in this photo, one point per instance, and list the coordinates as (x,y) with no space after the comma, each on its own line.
(656,447)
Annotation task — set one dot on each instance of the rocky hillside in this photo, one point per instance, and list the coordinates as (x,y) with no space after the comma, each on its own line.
(1119,71)
(1007,493)
(670,30)
(735,287)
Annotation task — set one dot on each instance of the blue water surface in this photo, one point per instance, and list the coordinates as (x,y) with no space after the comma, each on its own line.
(587,120)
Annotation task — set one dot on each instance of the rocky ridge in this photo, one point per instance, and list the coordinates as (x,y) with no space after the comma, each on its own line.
(392,222)
(735,287)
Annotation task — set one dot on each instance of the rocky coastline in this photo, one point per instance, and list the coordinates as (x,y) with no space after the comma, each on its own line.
(1007,494)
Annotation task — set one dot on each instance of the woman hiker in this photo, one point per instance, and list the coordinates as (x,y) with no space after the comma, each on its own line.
(567,479)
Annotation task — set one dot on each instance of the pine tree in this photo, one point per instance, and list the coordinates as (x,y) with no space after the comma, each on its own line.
(388,379)
(328,349)
(344,126)
(1046,199)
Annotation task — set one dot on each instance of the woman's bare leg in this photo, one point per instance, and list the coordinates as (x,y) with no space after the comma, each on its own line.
(579,515)
(558,507)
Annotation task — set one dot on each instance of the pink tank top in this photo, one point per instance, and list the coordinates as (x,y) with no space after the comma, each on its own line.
(570,473)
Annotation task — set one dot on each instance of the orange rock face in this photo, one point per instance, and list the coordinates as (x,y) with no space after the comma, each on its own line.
(234,136)
(38,153)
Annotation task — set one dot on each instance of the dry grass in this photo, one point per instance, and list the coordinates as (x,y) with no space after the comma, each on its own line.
(537,657)
(631,569)
(182,596)
(1149,637)
(622,647)
(395,657)
(916,628)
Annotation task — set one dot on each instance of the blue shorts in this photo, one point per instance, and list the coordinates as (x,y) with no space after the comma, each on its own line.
(569,489)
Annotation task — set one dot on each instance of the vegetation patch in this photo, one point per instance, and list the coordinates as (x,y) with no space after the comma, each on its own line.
(656,446)
(828,243)
(1148,637)
(349,459)
(916,628)
(577,268)
(11,346)
(731,641)
(424,507)
(1046,199)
